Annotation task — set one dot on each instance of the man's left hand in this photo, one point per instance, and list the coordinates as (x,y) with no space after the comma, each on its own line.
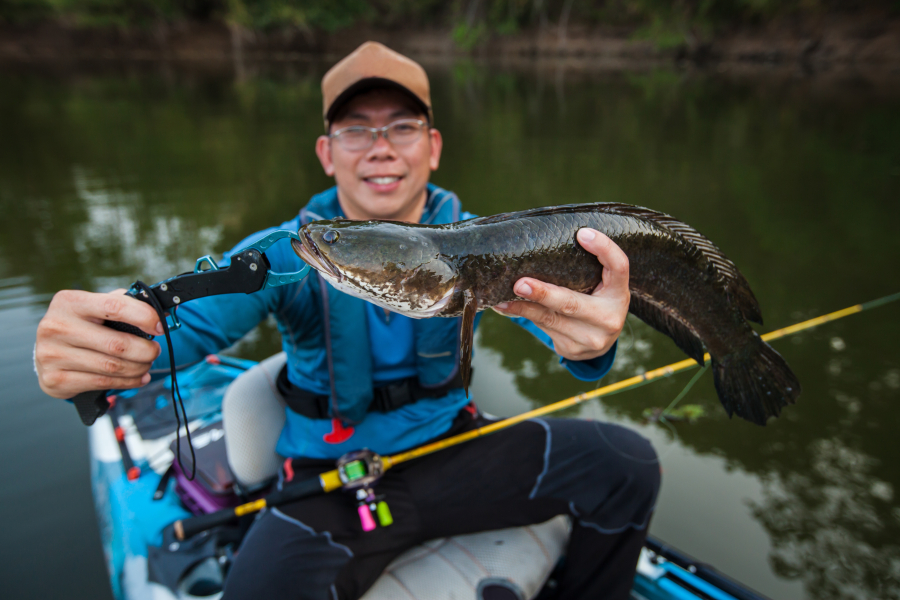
(582,326)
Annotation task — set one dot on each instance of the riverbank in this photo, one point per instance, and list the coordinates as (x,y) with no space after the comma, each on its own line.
(866,39)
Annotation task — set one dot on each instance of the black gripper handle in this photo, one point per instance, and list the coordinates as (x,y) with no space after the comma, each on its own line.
(92,405)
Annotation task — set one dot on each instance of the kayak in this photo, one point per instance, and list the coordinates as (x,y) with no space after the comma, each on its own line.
(139,491)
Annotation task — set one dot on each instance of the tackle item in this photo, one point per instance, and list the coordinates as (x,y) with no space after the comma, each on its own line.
(681,283)
(356,471)
(331,480)
(248,272)
(360,471)
(385,517)
(371,506)
(365,516)
(290,492)
(214,486)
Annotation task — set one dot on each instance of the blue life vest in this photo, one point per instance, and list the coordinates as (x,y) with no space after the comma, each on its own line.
(349,359)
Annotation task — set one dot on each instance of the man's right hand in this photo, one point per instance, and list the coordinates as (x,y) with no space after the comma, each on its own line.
(75,353)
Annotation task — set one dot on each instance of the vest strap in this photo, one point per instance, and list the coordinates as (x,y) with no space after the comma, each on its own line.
(385,398)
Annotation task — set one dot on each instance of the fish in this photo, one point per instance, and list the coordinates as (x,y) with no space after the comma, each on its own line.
(681,283)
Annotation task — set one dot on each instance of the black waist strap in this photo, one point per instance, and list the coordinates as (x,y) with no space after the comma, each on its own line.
(385,398)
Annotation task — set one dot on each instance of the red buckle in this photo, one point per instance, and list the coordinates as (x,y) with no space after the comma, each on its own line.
(338,434)
(133,473)
(213,359)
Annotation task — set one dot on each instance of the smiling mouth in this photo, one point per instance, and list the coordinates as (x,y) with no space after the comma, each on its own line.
(387,180)
(309,253)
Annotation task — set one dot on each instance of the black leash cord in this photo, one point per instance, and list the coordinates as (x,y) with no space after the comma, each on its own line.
(176,393)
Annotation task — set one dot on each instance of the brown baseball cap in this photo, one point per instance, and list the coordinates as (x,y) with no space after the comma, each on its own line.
(373,65)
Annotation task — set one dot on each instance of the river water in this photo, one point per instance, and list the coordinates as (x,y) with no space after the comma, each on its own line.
(123,172)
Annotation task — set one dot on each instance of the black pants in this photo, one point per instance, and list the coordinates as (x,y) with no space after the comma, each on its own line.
(604,476)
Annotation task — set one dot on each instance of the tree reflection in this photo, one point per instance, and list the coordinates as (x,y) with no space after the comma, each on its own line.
(834,526)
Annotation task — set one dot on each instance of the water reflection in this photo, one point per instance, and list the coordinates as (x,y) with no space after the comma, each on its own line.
(104,179)
(834,526)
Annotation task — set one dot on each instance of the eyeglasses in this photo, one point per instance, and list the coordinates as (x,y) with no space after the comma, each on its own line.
(360,137)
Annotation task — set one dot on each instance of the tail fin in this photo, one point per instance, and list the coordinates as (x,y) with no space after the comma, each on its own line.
(755,382)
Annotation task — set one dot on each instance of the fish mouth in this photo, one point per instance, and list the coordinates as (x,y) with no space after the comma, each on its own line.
(307,250)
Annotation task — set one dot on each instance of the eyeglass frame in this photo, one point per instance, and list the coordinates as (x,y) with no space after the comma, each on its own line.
(375,131)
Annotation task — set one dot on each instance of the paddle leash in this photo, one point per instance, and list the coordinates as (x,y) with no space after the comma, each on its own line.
(363,468)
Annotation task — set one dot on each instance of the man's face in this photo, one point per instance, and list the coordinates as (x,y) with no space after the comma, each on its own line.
(383,181)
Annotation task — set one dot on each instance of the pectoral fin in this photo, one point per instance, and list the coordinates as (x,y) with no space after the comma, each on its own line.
(466,337)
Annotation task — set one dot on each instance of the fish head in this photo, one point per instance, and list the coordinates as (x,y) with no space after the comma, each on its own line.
(395,265)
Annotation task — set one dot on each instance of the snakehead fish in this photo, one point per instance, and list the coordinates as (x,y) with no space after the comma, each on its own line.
(681,284)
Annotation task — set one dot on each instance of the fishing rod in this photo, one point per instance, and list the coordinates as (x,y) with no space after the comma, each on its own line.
(358,470)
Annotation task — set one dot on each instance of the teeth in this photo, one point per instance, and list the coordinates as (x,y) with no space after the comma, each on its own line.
(383,180)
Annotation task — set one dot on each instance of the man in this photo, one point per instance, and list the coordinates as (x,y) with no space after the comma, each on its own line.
(357,376)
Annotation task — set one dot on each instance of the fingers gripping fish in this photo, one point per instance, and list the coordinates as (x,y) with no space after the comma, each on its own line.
(681,284)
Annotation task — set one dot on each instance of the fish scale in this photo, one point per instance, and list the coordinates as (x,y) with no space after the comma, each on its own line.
(681,284)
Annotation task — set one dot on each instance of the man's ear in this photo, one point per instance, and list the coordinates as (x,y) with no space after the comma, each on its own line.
(437,144)
(323,151)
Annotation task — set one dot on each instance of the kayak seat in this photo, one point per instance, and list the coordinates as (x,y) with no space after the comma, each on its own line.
(252,418)
(511,564)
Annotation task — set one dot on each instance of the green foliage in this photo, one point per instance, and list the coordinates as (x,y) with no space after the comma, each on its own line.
(97,13)
(467,37)
(666,23)
(326,15)
(663,33)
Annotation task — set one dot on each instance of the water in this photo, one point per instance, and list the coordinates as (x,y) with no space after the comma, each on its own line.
(113,174)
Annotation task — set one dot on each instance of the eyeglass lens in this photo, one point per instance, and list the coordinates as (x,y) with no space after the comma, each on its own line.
(398,133)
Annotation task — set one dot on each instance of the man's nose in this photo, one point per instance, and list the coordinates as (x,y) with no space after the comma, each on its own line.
(382,148)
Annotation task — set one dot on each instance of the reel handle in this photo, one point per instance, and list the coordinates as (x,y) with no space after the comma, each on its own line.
(188,528)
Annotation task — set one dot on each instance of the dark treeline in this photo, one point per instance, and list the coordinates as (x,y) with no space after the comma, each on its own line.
(470,20)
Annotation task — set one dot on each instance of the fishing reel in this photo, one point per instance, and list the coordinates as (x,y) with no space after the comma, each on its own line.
(358,472)
(358,469)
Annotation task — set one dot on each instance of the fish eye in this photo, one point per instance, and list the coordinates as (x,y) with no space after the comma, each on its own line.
(330,236)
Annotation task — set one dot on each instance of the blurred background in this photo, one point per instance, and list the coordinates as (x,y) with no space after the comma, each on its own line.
(137,136)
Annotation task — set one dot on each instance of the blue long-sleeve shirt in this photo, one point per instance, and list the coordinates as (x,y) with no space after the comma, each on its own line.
(214,323)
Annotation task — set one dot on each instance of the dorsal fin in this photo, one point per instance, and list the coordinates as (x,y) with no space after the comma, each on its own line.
(730,278)
(535,212)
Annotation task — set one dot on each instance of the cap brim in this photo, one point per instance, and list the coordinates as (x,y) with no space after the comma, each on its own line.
(371,83)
